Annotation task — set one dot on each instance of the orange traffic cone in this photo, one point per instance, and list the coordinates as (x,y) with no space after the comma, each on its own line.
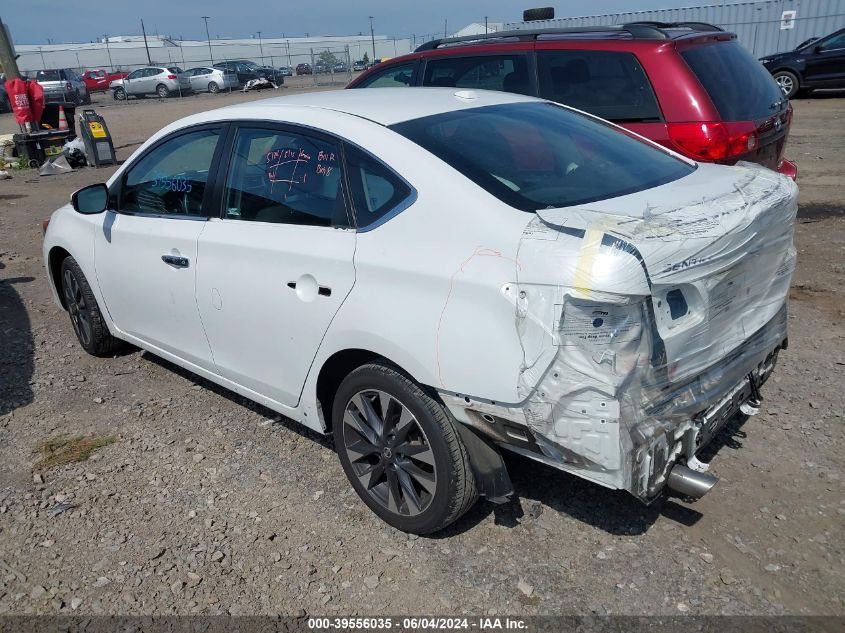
(62,118)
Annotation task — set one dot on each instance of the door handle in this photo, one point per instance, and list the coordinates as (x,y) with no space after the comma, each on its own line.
(177,261)
(323,291)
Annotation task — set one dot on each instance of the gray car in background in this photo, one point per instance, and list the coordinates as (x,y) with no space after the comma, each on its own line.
(62,86)
(208,79)
(162,81)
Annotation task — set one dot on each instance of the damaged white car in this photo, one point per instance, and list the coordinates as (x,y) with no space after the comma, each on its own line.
(433,276)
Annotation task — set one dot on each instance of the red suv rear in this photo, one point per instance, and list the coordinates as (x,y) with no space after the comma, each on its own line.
(688,86)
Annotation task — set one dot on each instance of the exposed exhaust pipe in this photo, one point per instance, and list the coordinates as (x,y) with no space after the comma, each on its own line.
(690,483)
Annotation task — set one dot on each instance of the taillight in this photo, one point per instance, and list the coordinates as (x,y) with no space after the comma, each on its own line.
(44,224)
(171,76)
(714,141)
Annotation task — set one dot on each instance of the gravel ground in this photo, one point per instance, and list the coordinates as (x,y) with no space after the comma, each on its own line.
(206,503)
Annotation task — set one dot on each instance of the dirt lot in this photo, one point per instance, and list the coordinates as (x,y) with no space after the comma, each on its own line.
(205,503)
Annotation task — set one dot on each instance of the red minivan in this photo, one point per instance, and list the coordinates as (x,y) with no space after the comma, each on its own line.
(689,86)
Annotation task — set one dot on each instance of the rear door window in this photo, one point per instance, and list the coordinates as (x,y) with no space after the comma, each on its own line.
(284,177)
(508,73)
(738,85)
(608,84)
(399,76)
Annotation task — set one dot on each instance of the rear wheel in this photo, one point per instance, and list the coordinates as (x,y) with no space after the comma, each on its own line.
(213,87)
(788,83)
(401,451)
(162,91)
(85,315)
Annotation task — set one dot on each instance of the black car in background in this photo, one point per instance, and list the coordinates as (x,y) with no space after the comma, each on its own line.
(247,70)
(819,63)
(303,69)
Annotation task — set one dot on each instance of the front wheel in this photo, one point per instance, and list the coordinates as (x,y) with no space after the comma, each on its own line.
(788,83)
(213,87)
(85,315)
(119,94)
(162,91)
(401,451)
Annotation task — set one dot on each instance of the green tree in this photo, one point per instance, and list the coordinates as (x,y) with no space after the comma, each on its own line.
(328,58)
(366,58)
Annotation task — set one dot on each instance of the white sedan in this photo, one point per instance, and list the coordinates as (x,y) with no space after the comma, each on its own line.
(438,275)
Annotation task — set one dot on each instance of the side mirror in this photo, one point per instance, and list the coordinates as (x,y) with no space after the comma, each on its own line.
(90,200)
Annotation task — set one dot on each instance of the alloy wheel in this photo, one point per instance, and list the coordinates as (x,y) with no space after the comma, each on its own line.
(786,84)
(389,452)
(78,308)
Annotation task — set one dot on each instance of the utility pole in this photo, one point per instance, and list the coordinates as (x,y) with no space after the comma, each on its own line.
(373,38)
(445,26)
(43,63)
(261,48)
(108,50)
(7,55)
(208,39)
(485,24)
(144,31)
(290,61)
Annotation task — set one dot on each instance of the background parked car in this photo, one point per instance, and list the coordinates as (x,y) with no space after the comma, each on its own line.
(100,79)
(151,80)
(63,85)
(208,79)
(359,64)
(303,69)
(247,70)
(286,71)
(819,63)
(339,67)
(688,86)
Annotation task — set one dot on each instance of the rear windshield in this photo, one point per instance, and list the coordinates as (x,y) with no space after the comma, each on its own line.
(48,75)
(539,155)
(174,69)
(739,86)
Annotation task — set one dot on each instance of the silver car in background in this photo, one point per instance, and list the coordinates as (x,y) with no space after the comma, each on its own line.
(151,80)
(207,79)
(63,86)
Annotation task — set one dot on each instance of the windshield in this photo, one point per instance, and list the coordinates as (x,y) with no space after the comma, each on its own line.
(250,65)
(540,155)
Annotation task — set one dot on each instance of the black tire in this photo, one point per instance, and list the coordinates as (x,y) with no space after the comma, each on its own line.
(119,94)
(788,83)
(454,486)
(87,99)
(543,13)
(85,316)
(213,88)
(162,91)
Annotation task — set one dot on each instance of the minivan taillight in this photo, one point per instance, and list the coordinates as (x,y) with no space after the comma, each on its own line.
(714,141)
(171,76)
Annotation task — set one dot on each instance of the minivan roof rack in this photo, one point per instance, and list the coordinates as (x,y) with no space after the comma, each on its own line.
(635,30)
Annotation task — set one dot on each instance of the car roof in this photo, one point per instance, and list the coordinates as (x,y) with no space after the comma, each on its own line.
(384,106)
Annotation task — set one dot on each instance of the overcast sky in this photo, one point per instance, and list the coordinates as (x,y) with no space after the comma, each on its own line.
(34,21)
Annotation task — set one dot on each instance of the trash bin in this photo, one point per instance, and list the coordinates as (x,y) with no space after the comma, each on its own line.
(37,147)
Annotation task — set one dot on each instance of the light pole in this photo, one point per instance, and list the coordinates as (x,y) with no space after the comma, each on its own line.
(485,24)
(108,50)
(43,63)
(208,38)
(260,47)
(373,38)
